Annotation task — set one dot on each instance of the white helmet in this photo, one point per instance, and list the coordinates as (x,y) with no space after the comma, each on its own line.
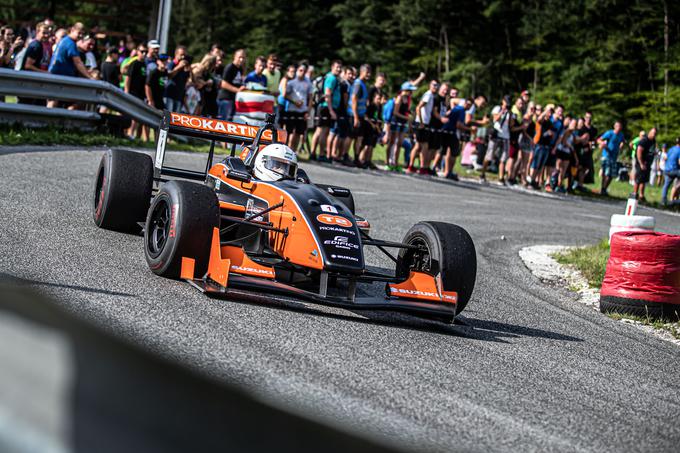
(275,162)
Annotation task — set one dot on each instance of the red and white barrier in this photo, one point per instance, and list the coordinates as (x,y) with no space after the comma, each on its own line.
(643,275)
(630,221)
(254,105)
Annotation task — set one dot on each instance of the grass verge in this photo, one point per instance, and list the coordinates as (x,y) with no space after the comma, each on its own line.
(591,262)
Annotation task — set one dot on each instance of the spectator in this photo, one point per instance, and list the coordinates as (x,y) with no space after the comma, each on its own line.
(10,46)
(231,83)
(610,142)
(58,36)
(671,173)
(398,117)
(545,131)
(156,79)
(299,97)
(424,111)
(633,154)
(135,83)
(436,149)
(339,135)
(282,103)
(34,56)
(517,114)
(66,58)
(455,121)
(85,47)
(273,75)
(256,79)
(644,156)
(373,122)
(565,152)
(202,75)
(110,70)
(179,72)
(357,110)
(153,47)
(378,87)
(525,140)
(499,142)
(586,136)
(327,109)
(558,125)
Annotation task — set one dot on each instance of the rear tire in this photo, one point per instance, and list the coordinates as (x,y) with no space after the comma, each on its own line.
(122,190)
(180,224)
(451,253)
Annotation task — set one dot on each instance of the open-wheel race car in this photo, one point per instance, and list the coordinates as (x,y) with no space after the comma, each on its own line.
(232,232)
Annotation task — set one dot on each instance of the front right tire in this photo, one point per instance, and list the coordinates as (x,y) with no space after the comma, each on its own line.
(449,252)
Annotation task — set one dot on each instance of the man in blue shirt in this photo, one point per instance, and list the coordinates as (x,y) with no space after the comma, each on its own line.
(256,76)
(453,122)
(357,110)
(671,172)
(610,142)
(66,59)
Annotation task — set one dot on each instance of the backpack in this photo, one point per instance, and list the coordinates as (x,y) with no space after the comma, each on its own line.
(19,59)
(317,90)
(388,110)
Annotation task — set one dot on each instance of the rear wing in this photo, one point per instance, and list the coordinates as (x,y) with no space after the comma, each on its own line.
(213,130)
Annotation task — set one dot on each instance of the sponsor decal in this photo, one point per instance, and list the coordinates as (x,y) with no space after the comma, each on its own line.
(345,257)
(173,220)
(413,292)
(314,252)
(337,229)
(342,242)
(219,126)
(217,184)
(252,270)
(329,208)
(329,219)
(160,150)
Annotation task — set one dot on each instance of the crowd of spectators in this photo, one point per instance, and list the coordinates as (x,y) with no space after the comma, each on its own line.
(347,112)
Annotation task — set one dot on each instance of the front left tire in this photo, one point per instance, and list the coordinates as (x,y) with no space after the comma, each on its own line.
(180,223)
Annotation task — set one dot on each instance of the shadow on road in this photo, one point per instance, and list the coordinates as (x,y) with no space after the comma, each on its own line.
(17,281)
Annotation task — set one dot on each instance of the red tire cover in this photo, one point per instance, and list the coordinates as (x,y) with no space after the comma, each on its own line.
(644,266)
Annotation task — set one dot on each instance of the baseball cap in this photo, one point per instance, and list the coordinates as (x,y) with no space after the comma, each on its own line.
(408,86)
(163,57)
(550,106)
(153,44)
(525,92)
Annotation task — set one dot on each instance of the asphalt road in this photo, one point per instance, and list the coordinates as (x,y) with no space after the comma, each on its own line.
(529,369)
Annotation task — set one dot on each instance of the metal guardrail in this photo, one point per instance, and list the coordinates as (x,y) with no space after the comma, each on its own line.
(38,85)
(34,115)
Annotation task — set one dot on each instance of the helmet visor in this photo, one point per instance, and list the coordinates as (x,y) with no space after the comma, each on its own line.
(285,168)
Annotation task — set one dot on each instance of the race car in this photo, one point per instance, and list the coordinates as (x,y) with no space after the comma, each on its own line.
(254,227)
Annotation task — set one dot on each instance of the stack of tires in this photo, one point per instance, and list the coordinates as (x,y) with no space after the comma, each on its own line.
(252,107)
(643,275)
(639,223)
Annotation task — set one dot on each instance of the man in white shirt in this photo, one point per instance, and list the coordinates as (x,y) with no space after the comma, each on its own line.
(299,95)
(424,113)
(499,139)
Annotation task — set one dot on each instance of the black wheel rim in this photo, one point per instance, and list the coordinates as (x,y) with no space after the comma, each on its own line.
(99,194)
(159,228)
(421,260)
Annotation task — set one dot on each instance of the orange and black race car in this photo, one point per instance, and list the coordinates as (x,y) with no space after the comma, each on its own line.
(231,235)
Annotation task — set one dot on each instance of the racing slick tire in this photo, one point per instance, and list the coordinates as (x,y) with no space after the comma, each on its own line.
(347,200)
(122,190)
(180,223)
(451,254)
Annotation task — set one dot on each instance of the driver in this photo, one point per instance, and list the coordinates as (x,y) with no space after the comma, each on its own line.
(275,162)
